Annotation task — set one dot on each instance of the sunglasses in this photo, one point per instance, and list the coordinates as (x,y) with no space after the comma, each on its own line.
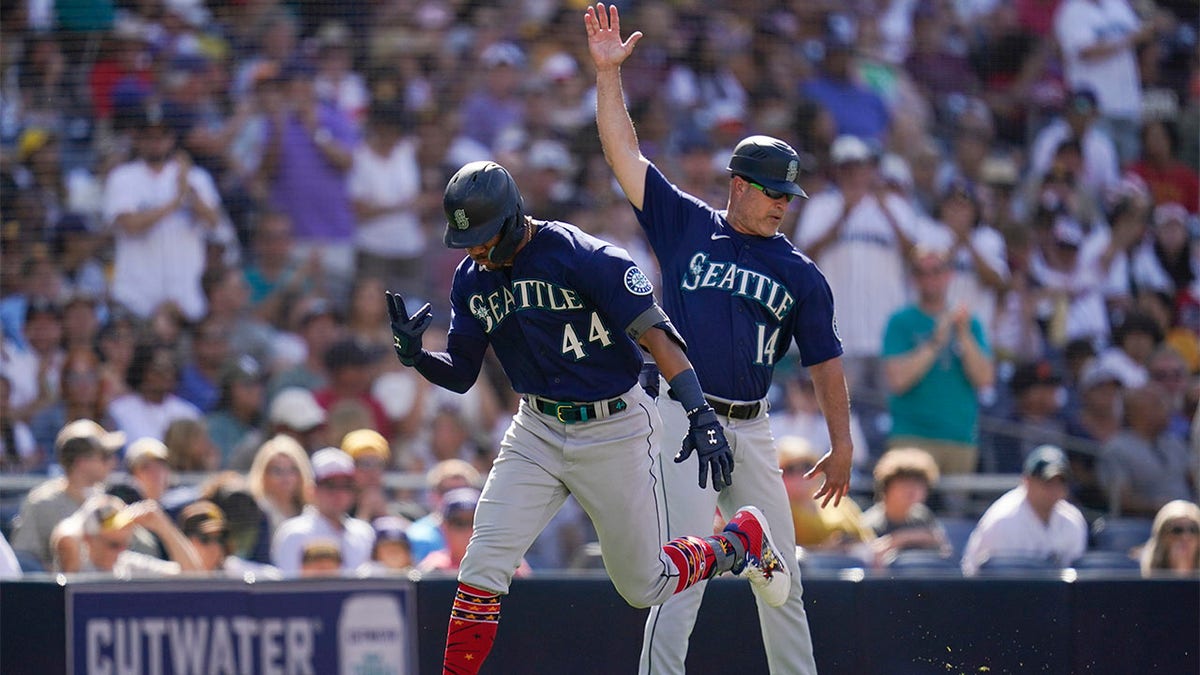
(797,469)
(771,194)
(212,538)
(1180,530)
(281,471)
(460,523)
(338,485)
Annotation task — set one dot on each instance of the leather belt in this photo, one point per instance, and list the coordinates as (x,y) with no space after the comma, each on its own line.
(736,411)
(573,413)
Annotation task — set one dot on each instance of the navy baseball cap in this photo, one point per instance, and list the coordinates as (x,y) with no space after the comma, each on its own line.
(769,162)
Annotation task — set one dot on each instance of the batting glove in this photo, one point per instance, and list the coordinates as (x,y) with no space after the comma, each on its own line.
(407,330)
(706,437)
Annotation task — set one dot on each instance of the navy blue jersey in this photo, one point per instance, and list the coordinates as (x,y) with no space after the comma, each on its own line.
(557,318)
(739,301)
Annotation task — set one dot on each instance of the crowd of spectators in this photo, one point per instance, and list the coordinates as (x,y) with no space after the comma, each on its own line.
(202,202)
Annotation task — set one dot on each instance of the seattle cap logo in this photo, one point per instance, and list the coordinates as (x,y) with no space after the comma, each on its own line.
(792,170)
(460,219)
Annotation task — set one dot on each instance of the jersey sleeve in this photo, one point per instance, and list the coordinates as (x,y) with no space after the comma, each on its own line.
(615,284)
(666,211)
(816,328)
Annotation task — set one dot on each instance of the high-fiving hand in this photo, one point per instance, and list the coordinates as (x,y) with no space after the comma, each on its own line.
(604,37)
(407,330)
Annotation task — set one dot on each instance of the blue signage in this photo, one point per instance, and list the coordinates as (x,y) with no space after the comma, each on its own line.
(206,627)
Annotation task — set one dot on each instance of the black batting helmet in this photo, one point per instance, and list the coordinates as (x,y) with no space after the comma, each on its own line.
(481,201)
(769,162)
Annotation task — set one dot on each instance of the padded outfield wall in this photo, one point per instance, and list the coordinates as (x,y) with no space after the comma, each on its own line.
(578,624)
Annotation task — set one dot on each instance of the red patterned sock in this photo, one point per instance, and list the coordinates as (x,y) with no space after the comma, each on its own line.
(694,558)
(474,618)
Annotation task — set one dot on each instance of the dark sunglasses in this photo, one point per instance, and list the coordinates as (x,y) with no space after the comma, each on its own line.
(460,523)
(336,485)
(798,468)
(770,193)
(1179,530)
(219,538)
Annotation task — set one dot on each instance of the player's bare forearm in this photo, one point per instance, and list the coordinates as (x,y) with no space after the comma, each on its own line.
(617,135)
(667,353)
(829,384)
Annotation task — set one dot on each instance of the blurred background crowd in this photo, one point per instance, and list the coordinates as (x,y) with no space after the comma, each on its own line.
(202,202)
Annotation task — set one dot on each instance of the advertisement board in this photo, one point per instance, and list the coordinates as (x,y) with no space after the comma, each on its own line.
(275,628)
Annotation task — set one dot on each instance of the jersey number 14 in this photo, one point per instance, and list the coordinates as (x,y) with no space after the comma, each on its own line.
(765,355)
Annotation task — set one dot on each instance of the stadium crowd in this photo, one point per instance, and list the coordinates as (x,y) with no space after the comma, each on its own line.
(202,203)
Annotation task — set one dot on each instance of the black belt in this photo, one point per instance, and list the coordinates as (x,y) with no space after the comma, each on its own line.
(736,411)
(571,413)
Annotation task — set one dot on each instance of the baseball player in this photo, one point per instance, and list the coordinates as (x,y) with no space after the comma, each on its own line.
(566,314)
(731,269)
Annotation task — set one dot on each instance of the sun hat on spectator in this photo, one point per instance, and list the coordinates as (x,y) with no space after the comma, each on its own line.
(203,517)
(244,368)
(1099,372)
(459,500)
(331,463)
(320,549)
(104,513)
(1045,462)
(847,149)
(366,443)
(893,170)
(296,408)
(89,430)
(502,54)
(390,528)
(32,140)
(144,450)
(1169,212)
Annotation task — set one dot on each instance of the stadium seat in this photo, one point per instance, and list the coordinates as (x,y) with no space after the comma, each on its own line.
(1105,560)
(1017,565)
(958,530)
(921,561)
(823,560)
(1120,534)
(29,562)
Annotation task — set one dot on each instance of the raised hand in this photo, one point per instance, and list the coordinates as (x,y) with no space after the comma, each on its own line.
(407,330)
(604,37)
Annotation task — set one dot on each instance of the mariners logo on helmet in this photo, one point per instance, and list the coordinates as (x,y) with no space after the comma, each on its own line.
(792,170)
(637,283)
(460,219)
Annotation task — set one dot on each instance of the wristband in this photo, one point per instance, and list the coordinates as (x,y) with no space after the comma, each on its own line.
(685,388)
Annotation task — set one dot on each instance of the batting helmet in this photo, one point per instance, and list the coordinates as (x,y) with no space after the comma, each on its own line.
(769,162)
(482,201)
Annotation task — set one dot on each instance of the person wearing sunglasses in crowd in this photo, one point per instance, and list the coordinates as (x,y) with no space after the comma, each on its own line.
(206,527)
(1174,544)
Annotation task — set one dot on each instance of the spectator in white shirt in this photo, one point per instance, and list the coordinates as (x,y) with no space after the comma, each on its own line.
(151,406)
(1079,121)
(385,183)
(161,209)
(1098,40)
(1034,519)
(325,519)
(860,236)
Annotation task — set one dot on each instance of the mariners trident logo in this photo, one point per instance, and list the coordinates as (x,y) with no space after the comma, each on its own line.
(792,170)
(460,219)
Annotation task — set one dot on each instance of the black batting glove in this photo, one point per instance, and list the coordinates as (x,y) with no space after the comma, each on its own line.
(407,330)
(706,437)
